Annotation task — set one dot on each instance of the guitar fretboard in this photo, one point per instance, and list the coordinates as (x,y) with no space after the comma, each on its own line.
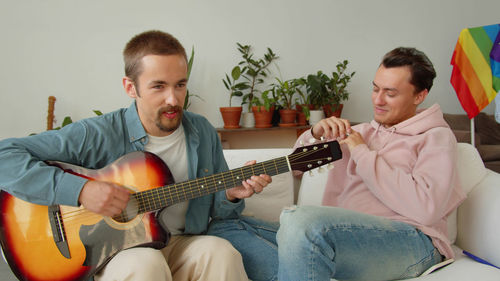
(157,198)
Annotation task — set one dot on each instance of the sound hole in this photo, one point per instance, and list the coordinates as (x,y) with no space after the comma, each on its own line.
(129,213)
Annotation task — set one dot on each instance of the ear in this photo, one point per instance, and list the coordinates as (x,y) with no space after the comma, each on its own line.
(129,87)
(420,97)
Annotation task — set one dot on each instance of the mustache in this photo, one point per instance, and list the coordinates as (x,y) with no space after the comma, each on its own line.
(169,109)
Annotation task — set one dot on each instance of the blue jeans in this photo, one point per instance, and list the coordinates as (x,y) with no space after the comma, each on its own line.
(255,240)
(319,243)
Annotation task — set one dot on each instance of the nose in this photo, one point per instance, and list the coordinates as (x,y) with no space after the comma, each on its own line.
(170,97)
(378,98)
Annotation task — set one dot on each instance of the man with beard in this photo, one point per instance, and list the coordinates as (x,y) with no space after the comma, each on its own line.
(156,78)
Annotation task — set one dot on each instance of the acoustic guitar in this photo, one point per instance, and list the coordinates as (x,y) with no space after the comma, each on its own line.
(71,243)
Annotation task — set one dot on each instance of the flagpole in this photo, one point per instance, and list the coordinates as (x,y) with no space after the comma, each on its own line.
(472,130)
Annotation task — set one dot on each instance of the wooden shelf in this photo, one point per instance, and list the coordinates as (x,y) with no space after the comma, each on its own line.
(260,137)
(298,128)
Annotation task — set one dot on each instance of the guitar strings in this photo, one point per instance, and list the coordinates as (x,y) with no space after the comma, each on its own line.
(189,190)
(175,190)
(179,191)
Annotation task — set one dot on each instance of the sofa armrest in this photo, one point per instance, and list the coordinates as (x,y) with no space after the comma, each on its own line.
(478,223)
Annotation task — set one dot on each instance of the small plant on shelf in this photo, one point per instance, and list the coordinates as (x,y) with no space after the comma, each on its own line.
(253,71)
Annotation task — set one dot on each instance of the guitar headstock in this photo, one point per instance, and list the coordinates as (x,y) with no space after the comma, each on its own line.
(312,156)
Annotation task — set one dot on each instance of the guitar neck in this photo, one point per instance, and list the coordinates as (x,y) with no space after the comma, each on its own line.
(157,198)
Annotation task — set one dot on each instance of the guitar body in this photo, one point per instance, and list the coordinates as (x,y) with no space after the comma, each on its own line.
(70,243)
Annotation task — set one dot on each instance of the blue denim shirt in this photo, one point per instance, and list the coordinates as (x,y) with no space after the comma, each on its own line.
(96,142)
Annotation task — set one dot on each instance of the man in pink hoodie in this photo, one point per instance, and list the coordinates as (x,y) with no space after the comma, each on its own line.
(386,202)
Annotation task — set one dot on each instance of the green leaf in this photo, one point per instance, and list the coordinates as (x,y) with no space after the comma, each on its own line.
(236,73)
(67,120)
(97,112)
(226,83)
(190,62)
(242,86)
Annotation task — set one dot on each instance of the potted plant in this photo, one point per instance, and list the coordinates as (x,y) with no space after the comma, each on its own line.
(285,92)
(336,91)
(232,114)
(316,92)
(263,109)
(303,102)
(328,93)
(253,72)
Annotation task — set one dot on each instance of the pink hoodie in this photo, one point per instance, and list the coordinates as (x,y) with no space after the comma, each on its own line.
(406,173)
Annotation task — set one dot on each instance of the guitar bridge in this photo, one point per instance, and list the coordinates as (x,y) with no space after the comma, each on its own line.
(58,232)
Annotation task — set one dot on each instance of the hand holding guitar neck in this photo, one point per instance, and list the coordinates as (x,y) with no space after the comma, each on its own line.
(248,187)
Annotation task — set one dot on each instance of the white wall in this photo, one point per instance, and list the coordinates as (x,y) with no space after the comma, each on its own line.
(72,49)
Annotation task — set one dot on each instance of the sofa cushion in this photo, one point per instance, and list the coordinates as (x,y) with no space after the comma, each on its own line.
(493,165)
(489,152)
(268,204)
(457,121)
(464,136)
(478,223)
(487,128)
(470,166)
(471,171)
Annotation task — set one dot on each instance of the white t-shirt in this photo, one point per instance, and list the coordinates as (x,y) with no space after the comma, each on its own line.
(172,150)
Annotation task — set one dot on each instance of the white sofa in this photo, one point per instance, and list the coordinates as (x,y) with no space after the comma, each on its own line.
(474,228)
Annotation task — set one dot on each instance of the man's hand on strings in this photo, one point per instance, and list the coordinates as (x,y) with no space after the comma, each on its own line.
(104,198)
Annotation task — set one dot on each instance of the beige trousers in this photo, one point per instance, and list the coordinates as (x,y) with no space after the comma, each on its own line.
(204,258)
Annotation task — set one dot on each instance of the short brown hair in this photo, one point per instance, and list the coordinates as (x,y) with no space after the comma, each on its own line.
(153,42)
(421,68)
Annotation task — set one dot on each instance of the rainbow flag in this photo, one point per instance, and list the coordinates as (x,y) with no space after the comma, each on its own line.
(476,67)
(495,62)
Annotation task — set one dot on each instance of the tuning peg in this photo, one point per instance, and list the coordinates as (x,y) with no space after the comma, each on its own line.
(330,166)
(312,140)
(322,138)
(321,170)
(301,143)
(311,173)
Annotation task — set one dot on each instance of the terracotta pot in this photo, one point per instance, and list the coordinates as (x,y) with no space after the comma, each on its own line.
(288,117)
(333,110)
(301,116)
(231,116)
(262,116)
